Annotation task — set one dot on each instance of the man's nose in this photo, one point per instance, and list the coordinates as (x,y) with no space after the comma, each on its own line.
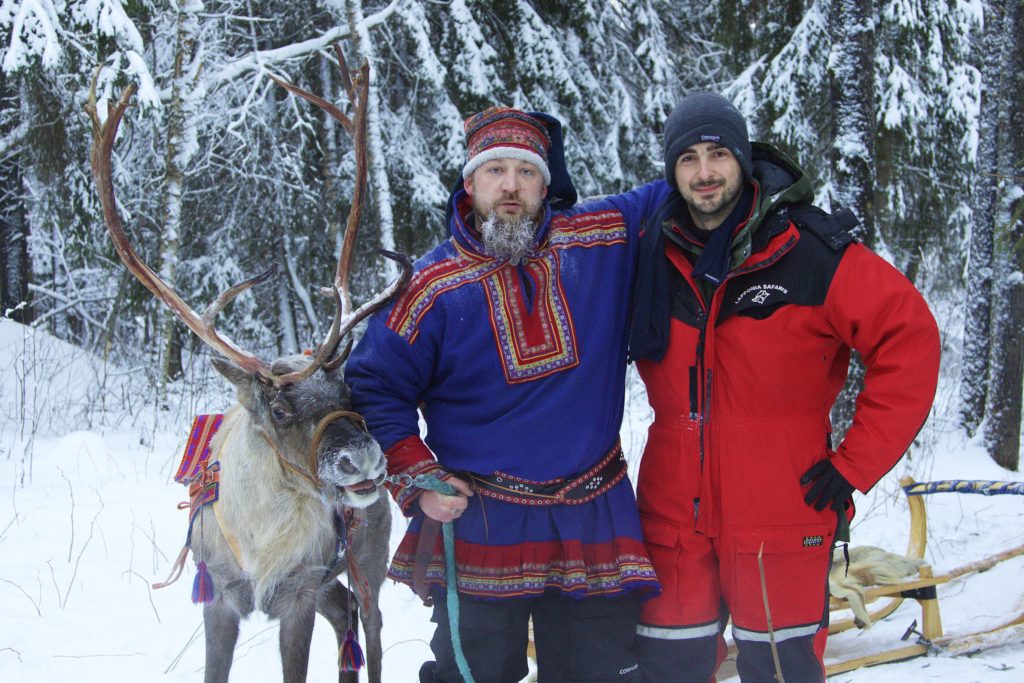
(704,171)
(509,182)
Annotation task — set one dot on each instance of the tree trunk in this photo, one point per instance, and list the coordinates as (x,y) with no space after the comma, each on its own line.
(180,143)
(852,98)
(1003,422)
(977,348)
(15,265)
(375,139)
(852,93)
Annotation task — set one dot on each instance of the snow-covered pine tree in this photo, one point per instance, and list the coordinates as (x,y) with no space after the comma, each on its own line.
(1003,415)
(50,51)
(783,93)
(976,356)
(652,70)
(927,98)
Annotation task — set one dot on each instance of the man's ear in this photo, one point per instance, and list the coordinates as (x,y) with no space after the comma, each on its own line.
(468,184)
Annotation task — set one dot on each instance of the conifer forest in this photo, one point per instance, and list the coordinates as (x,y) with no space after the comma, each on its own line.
(909,112)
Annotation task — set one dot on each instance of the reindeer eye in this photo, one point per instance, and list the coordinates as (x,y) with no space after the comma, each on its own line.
(279,412)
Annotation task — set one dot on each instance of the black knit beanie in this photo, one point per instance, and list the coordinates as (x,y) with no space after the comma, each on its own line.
(705,117)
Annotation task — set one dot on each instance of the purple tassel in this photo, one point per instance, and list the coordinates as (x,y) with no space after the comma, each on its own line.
(351,656)
(202,586)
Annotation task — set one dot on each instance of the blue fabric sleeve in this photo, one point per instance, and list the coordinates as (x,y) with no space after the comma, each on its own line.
(387,376)
(640,204)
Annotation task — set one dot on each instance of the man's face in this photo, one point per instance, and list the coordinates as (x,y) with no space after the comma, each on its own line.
(709,179)
(508,188)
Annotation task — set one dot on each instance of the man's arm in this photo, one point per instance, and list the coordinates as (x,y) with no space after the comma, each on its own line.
(387,376)
(639,204)
(877,311)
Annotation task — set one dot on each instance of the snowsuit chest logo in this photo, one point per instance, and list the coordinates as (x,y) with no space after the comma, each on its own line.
(760,293)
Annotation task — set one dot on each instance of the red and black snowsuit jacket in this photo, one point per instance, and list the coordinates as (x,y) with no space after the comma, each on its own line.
(742,384)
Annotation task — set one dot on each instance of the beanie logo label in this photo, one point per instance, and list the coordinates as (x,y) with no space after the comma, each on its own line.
(710,138)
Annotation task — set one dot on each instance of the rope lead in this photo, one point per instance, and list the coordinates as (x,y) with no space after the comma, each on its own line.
(430,482)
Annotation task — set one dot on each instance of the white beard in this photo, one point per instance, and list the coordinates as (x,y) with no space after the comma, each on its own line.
(508,238)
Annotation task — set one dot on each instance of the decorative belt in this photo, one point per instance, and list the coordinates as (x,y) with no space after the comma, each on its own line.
(574,490)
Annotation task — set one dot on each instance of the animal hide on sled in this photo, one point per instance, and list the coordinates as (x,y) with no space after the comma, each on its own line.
(869,566)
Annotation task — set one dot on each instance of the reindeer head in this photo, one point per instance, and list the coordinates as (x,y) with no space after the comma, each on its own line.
(299,404)
(309,424)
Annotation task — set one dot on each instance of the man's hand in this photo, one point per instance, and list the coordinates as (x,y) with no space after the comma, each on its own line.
(830,488)
(444,508)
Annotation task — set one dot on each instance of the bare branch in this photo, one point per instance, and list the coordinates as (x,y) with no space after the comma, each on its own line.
(25,593)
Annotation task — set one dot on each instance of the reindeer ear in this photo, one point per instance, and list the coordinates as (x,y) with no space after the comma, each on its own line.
(230,371)
(244,381)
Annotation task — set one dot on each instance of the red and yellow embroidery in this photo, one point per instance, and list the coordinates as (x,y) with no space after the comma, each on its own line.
(599,229)
(531,343)
(430,283)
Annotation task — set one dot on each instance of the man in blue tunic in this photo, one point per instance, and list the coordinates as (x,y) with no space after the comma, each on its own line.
(511,339)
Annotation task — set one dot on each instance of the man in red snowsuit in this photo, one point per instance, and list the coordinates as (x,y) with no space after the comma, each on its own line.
(747,304)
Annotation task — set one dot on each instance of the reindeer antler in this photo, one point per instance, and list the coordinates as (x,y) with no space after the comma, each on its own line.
(103,143)
(345,320)
(358,89)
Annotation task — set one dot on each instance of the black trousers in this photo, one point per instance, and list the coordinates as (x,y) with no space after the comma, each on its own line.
(576,640)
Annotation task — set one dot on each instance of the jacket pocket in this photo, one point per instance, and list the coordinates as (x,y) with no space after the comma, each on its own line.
(795,561)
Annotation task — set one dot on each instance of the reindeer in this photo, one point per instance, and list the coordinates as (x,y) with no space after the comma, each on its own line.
(300,495)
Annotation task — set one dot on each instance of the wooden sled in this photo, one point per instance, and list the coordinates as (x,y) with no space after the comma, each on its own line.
(923,589)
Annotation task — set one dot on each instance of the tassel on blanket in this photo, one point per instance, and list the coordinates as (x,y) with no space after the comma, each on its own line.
(351,656)
(202,587)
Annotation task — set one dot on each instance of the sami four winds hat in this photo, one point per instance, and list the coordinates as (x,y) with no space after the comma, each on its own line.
(504,133)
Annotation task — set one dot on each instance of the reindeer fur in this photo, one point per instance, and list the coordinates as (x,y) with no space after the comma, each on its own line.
(283,529)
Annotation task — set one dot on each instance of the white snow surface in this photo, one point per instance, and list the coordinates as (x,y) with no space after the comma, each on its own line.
(89,518)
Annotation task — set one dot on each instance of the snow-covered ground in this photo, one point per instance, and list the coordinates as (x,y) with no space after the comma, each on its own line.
(89,518)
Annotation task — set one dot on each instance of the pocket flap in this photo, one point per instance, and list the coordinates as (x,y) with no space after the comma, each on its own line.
(784,539)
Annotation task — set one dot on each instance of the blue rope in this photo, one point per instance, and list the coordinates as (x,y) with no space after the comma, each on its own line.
(985,488)
(430,482)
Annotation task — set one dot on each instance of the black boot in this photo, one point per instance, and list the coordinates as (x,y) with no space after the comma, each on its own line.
(427,672)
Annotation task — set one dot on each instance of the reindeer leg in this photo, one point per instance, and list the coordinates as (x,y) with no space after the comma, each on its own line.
(372,624)
(333,605)
(296,634)
(370,546)
(220,622)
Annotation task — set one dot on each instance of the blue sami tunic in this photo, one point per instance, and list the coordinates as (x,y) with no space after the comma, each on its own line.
(517,370)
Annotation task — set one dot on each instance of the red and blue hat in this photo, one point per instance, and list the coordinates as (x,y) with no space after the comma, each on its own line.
(505,133)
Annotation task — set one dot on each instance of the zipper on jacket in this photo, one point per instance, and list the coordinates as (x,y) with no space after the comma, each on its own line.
(705,375)
(697,369)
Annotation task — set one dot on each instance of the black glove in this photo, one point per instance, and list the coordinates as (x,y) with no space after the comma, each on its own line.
(830,488)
